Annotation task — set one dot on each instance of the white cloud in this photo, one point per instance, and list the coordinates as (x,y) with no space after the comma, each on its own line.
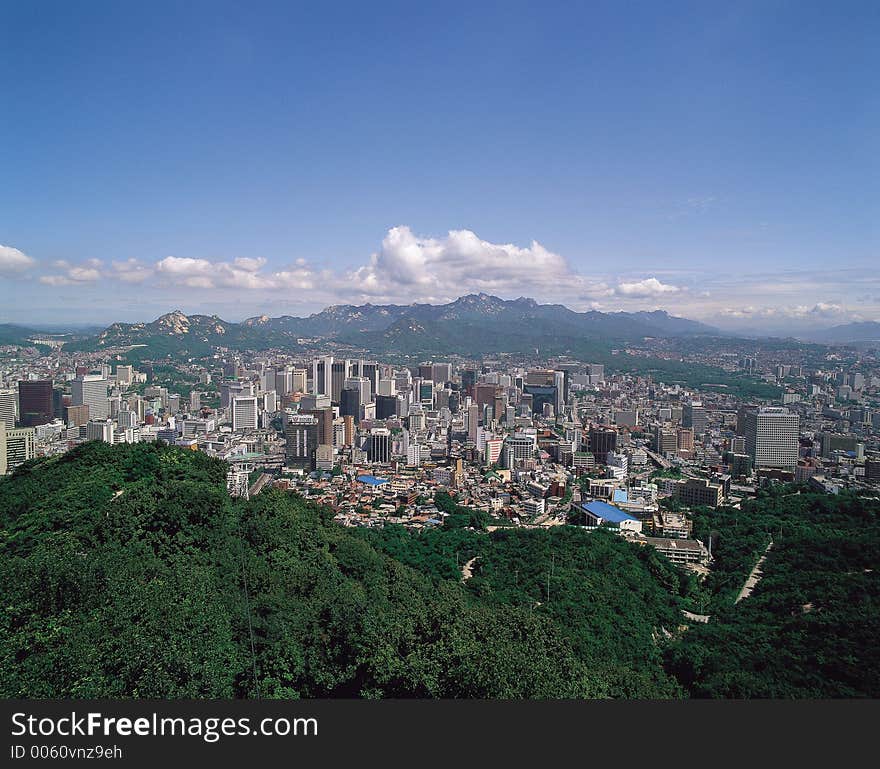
(413,268)
(73,274)
(13,260)
(647,288)
(131,271)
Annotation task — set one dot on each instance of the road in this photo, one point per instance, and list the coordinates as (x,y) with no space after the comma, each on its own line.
(657,459)
(754,578)
(258,484)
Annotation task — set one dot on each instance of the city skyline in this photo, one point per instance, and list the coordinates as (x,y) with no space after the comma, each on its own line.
(707,161)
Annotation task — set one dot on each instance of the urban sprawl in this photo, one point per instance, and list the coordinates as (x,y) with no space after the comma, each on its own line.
(564,442)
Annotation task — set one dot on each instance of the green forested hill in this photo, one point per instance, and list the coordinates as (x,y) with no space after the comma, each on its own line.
(127,571)
(142,594)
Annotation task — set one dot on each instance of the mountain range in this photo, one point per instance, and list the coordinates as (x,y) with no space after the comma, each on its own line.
(865,332)
(472,323)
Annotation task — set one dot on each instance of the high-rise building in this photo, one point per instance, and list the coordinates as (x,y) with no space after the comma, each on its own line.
(301,433)
(2,447)
(299,381)
(473,421)
(124,375)
(8,407)
(325,424)
(91,390)
(244,413)
(693,415)
(350,402)
(602,440)
(772,437)
(379,445)
(665,441)
(386,406)
(74,416)
(542,395)
(99,430)
(21,445)
(35,402)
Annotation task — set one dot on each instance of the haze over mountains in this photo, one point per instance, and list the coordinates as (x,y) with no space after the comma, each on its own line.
(472,323)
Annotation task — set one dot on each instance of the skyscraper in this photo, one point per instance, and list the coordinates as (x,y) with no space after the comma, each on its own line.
(379,445)
(693,415)
(8,407)
(91,390)
(244,413)
(772,437)
(301,433)
(35,402)
(602,440)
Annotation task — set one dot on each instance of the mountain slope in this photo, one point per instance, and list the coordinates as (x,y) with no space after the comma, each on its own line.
(866,331)
(472,323)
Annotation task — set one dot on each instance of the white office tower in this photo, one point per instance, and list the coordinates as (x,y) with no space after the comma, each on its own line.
(283,381)
(124,375)
(299,381)
(8,407)
(322,375)
(99,430)
(482,436)
(363,387)
(91,390)
(195,401)
(772,437)
(127,418)
(244,413)
(559,384)
(387,387)
(230,390)
(267,380)
(413,455)
(270,402)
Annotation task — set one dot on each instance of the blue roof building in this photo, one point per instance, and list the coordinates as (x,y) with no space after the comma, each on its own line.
(371,480)
(599,513)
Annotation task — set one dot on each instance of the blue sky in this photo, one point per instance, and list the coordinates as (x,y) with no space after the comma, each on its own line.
(719,160)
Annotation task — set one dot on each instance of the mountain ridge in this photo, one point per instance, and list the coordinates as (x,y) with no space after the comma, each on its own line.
(497,324)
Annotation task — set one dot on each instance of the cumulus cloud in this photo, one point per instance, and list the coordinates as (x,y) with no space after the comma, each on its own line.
(423,268)
(13,260)
(818,310)
(73,274)
(240,273)
(647,288)
(131,271)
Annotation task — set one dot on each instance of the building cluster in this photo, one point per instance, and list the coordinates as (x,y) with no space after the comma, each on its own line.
(530,443)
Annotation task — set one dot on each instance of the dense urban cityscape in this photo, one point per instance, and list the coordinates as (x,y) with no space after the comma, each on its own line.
(524,441)
(510,357)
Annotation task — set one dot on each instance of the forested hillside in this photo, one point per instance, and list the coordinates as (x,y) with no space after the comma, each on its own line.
(127,571)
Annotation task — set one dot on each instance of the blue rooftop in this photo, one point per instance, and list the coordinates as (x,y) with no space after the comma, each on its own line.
(371,480)
(607,512)
(620,495)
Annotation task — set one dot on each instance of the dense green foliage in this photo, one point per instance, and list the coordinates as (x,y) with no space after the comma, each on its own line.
(152,593)
(128,571)
(809,628)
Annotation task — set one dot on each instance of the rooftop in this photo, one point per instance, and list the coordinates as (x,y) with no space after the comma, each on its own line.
(607,512)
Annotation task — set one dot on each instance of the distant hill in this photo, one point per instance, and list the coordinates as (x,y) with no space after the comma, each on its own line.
(11,333)
(472,323)
(849,333)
